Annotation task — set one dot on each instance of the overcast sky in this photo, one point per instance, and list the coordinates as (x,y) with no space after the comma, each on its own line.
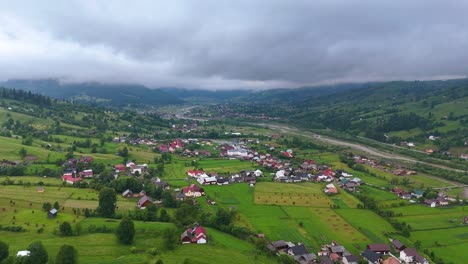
(233,44)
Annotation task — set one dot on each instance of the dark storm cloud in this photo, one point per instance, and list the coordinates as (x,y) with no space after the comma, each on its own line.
(234,44)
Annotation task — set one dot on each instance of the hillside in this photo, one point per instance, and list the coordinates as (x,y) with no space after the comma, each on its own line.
(117,95)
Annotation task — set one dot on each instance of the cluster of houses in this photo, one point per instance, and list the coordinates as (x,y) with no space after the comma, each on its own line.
(381,253)
(196,235)
(71,173)
(215,179)
(298,251)
(130,167)
(334,253)
(441,200)
(344,180)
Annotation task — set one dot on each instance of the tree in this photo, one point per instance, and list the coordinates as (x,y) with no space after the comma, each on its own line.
(126,231)
(170,238)
(186,214)
(159,261)
(123,152)
(67,255)
(46,206)
(23,152)
(417,244)
(164,216)
(107,200)
(168,199)
(38,254)
(3,251)
(56,205)
(285,259)
(65,229)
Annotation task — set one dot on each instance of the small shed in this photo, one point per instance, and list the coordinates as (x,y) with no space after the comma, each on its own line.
(53,213)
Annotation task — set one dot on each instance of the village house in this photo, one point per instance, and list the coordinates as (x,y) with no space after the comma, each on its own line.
(52,213)
(144,201)
(180,196)
(193,191)
(417,193)
(372,257)
(127,194)
(279,246)
(86,159)
(86,173)
(156,181)
(330,189)
(379,248)
(391,260)
(68,178)
(208,180)
(139,168)
(130,164)
(350,259)
(194,235)
(195,173)
(410,255)
(120,168)
(397,245)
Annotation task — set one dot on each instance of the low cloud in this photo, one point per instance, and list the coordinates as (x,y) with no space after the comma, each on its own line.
(240,44)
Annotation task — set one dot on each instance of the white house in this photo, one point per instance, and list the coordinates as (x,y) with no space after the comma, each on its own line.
(237,152)
(410,255)
(258,173)
(23,253)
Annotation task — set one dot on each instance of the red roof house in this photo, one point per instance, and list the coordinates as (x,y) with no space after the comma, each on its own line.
(144,201)
(193,191)
(195,235)
(120,167)
(68,178)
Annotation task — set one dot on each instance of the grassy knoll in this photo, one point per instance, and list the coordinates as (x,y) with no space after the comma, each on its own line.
(369,223)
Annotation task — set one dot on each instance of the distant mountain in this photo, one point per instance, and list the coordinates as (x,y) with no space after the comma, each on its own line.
(198,95)
(117,95)
(280,95)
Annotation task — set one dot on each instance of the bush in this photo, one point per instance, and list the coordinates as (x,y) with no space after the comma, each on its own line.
(67,255)
(126,231)
(65,229)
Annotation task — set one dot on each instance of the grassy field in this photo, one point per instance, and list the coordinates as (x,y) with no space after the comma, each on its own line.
(291,194)
(104,247)
(298,222)
(25,210)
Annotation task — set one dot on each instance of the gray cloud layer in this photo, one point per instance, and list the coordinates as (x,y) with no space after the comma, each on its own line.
(234,44)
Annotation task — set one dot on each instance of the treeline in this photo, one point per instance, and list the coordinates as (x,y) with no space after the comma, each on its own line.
(25,96)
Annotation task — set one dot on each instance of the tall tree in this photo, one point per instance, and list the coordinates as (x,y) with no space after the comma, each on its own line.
(38,254)
(126,231)
(65,229)
(3,251)
(67,255)
(107,200)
